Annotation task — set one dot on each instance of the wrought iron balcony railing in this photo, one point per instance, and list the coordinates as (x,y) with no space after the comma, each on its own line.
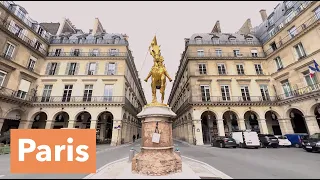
(226,99)
(87,54)
(224,55)
(18,33)
(314,19)
(79,99)
(5,92)
(213,42)
(23,18)
(89,41)
(299,92)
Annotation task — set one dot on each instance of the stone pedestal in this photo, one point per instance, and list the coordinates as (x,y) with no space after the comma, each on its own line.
(156,158)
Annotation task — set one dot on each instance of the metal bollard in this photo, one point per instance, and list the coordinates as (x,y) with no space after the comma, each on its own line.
(131,154)
(178,152)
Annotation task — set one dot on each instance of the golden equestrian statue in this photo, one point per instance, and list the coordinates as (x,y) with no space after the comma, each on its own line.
(158,73)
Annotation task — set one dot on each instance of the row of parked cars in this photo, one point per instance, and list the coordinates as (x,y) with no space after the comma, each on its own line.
(252,139)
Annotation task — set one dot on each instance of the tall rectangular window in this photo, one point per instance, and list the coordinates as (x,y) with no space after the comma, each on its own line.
(9,49)
(23,88)
(46,93)
(95,52)
(317,13)
(202,68)
(218,52)
(72,68)
(273,46)
(240,69)
(286,88)
(258,69)
(278,63)
(67,93)
(225,92)
(205,92)
(310,81)
(200,53)
(111,68)
(114,52)
(236,53)
(292,31)
(92,68)
(37,45)
(2,77)
(57,52)
(53,68)
(108,93)
(245,93)
(300,50)
(32,63)
(76,52)
(264,92)
(222,69)
(87,94)
(254,53)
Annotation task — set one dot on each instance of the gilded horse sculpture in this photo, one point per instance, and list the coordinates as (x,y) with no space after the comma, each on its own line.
(158,73)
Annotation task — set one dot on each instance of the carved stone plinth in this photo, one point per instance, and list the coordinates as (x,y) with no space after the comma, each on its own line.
(156,158)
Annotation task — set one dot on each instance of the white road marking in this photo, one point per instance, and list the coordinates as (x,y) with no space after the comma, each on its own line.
(1,176)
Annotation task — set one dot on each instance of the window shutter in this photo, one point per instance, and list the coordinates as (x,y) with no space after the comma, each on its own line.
(106,68)
(77,69)
(25,33)
(61,52)
(57,69)
(87,68)
(97,67)
(90,52)
(67,68)
(116,68)
(48,68)
(12,27)
(80,53)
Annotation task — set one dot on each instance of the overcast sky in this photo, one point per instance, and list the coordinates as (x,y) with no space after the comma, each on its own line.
(170,21)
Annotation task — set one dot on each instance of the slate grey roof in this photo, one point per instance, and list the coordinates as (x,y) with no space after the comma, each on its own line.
(51,27)
(279,16)
(223,36)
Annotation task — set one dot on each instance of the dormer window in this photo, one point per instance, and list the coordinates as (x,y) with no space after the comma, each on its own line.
(290,16)
(271,21)
(232,40)
(116,40)
(198,40)
(288,4)
(215,40)
(249,40)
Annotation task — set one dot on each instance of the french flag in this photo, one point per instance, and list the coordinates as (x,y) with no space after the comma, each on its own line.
(313,70)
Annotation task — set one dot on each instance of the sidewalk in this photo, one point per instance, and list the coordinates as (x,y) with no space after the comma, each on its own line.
(192,145)
(106,147)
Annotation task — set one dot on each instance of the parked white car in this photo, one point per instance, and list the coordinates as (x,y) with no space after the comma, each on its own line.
(283,141)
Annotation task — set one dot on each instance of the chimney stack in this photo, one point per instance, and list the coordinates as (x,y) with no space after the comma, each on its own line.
(263,14)
(62,23)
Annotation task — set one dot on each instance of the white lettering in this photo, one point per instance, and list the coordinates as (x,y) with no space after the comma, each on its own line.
(70,149)
(46,152)
(57,151)
(23,150)
(85,155)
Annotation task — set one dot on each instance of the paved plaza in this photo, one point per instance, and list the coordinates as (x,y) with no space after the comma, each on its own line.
(237,163)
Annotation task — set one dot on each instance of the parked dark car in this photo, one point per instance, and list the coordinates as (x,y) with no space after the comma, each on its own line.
(268,140)
(312,144)
(222,142)
(297,138)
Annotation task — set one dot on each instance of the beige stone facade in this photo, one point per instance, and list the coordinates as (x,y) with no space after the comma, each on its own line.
(257,78)
(53,75)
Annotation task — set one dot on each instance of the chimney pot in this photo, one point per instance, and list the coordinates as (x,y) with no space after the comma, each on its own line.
(263,14)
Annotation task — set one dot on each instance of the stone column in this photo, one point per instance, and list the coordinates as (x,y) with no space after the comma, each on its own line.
(49,124)
(189,130)
(93,124)
(241,124)
(156,158)
(220,127)
(312,124)
(71,123)
(198,131)
(263,126)
(102,135)
(285,126)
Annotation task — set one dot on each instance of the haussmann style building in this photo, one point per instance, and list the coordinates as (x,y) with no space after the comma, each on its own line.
(255,79)
(53,75)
